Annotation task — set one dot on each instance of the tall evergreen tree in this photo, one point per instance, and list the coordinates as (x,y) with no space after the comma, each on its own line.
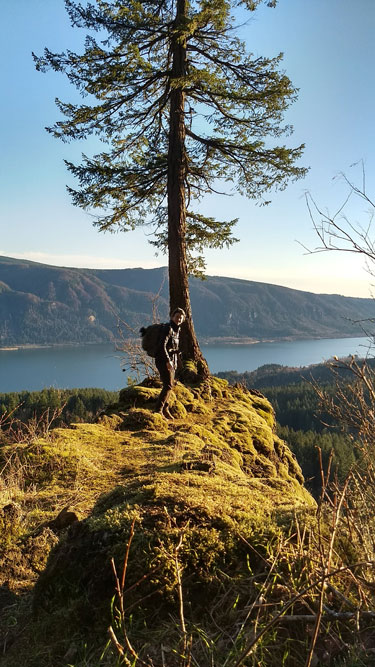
(182,106)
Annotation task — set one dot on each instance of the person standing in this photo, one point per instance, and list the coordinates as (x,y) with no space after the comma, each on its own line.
(166,359)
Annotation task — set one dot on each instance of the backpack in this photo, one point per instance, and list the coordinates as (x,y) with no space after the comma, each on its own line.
(151,338)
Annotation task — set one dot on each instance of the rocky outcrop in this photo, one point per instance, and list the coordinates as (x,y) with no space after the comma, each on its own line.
(196,501)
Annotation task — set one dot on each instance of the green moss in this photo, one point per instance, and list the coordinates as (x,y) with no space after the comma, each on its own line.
(140,418)
(112,422)
(197,407)
(199,488)
(138,395)
(183,393)
(10,528)
(178,409)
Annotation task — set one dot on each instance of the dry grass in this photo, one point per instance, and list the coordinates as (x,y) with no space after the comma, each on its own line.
(229,565)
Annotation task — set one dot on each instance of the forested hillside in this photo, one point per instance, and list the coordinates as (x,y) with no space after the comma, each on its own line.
(42,304)
(51,407)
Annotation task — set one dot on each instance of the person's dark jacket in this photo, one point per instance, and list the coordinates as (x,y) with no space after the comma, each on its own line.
(167,349)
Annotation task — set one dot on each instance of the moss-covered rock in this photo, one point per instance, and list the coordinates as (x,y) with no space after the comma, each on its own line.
(197,489)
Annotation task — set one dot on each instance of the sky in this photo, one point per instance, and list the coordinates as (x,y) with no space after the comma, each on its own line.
(329,52)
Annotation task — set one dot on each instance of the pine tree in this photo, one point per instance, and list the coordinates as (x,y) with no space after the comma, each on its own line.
(181,106)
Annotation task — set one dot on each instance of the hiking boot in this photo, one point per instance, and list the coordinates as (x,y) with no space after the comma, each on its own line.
(159,409)
(167,413)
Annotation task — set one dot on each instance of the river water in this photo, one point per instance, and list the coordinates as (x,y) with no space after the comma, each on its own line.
(101,365)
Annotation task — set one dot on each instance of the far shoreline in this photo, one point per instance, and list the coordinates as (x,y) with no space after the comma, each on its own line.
(214,341)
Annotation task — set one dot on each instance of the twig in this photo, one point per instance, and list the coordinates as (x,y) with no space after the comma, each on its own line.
(124,569)
(336,520)
(180,596)
(117,645)
(340,595)
(291,602)
(120,595)
(330,615)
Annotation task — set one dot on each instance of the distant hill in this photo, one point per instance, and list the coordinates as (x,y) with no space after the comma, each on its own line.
(42,304)
(275,375)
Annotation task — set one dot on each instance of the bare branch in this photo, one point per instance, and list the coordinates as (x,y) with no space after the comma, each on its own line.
(336,232)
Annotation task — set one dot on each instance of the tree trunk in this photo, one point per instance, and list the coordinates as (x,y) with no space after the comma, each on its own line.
(179,295)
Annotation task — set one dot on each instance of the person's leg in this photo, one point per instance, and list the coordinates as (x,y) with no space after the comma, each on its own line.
(167,378)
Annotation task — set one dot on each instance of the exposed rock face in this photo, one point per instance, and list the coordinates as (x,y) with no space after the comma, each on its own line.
(201,492)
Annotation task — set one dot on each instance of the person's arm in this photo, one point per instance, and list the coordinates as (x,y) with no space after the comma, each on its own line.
(162,351)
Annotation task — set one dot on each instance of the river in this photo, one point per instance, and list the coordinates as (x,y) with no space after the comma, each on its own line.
(67,367)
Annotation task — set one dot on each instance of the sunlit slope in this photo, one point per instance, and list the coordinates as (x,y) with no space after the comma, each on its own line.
(216,477)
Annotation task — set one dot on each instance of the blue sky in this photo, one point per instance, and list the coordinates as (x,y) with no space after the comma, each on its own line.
(329,51)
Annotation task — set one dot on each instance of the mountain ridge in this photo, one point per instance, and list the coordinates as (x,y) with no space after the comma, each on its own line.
(45,304)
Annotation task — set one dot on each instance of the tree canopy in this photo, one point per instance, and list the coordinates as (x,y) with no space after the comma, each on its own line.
(184,111)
